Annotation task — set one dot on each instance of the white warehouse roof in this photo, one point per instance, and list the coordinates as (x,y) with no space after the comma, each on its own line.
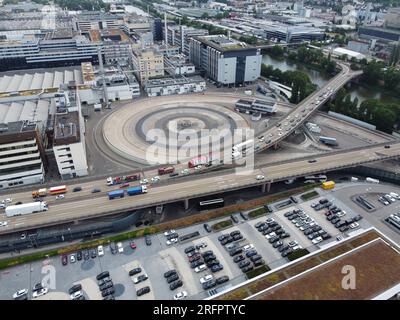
(349,53)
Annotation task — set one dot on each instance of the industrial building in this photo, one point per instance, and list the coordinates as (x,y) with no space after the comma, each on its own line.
(340,52)
(178,65)
(96,20)
(293,34)
(252,106)
(175,85)
(21,154)
(225,60)
(68,136)
(379,33)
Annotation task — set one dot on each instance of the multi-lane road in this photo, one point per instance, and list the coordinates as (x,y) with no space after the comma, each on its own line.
(84,204)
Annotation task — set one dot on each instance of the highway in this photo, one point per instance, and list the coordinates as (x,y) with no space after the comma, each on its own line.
(93,205)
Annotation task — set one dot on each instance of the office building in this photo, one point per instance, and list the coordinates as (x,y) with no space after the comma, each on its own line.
(96,20)
(178,65)
(292,34)
(225,60)
(175,85)
(148,63)
(21,154)
(180,36)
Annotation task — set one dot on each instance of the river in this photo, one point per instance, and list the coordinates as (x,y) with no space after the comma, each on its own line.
(361,92)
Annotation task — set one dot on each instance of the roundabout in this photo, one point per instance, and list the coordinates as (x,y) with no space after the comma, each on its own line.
(163,123)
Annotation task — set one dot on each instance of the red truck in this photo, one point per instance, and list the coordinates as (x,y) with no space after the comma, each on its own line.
(165,170)
(118,180)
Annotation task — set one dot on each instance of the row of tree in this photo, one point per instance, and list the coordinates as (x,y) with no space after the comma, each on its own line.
(299,81)
(314,57)
(385,116)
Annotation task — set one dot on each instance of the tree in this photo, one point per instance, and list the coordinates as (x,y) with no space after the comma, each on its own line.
(205,15)
(392,78)
(372,72)
(276,51)
(384,119)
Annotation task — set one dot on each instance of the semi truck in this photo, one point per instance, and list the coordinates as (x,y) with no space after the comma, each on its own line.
(39,193)
(116,194)
(371,180)
(26,208)
(165,170)
(328,141)
(118,180)
(200,160)
(136,190)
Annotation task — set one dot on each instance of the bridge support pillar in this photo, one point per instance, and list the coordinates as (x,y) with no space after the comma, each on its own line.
(266,187)
(186,203)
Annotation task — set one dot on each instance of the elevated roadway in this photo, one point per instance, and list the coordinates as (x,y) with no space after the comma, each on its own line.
(95,205)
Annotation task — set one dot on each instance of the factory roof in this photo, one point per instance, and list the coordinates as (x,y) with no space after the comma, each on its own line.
(222,43)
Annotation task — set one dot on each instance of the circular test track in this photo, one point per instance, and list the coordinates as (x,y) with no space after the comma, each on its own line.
(128,131)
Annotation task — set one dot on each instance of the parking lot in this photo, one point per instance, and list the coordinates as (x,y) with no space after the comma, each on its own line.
(256,246)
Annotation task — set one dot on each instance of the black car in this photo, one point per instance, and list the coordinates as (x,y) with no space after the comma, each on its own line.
(235,251)
(76,189)
(244,216)
(143,291)
(288,214)
(323,200)
(207,253)
(207,227)
(277,244)
(294,199)
(247,269)
(96,190)
(113,248)
(326,236)
(273,239)
(344,228)
(209,284)
(237,237)
(172,278)
(251,253)
(172,236)
(222,280)
(209,257)
(75,288)
(255,257)
(86,255)
(135,271)
(234,219)
(93,253)
(280,231)
(276,228)
(37,287)
(102,275)
(286,252)
(222,237)
(106,285)
(340,224)
(243,264)
(357,218)
(259,224)
(211,263)
(238,258)
(196,263)
(316,228)
(190,249)
(335,220)
(283,248)
(169,273)
(79,255)
(109,297)
(234,233)
(176,284)
(108,292)
(284,235)
(312,161)
(148,240)
(216,267)
(258,263)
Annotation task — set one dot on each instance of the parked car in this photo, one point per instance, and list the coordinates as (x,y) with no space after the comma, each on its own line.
(216,267)
(20,294)
(172,278)
(64,259)
(222,280)
(189,249)
(40,293)
(143,291)
(206,278)
(135,271)
(200,268)
(120,247)
(170,273)
(132,244)
(180,295)
(207,228)
(176,284)
(141,278)
(238,258)
(79,255)
(100,250)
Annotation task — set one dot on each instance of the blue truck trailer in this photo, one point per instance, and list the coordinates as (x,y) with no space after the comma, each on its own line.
(116,194)
(136,190)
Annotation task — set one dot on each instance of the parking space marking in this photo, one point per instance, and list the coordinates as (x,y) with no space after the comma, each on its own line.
(91,288)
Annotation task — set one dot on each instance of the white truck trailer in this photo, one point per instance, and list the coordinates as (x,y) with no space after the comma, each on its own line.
(26,208)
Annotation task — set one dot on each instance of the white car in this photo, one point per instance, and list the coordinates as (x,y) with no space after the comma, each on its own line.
(185,171)
(198,167)
(269,220)
(172,241)
(248,247)
(297,247)
(60,196)
(76,295)
(180,295)
(206,278)
(144,181)
(390,198)
(20,293)
(200,268)
(260,177)
(167,233)
(293,243)
(3,223)
(72,258)
(394,195)
(341,213)
(40,292)
(100,251)
(120,247)
(270,235)
(354,225)
(317,240)
(8,200)
(155,179)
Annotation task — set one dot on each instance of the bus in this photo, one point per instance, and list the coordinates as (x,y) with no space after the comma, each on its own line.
(211,204)
(242,146)
(58,190)
(320,178)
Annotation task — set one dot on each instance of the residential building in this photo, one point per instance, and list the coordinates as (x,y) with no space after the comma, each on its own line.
(21,154)
(225,60)
(148,63)
(175,85)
